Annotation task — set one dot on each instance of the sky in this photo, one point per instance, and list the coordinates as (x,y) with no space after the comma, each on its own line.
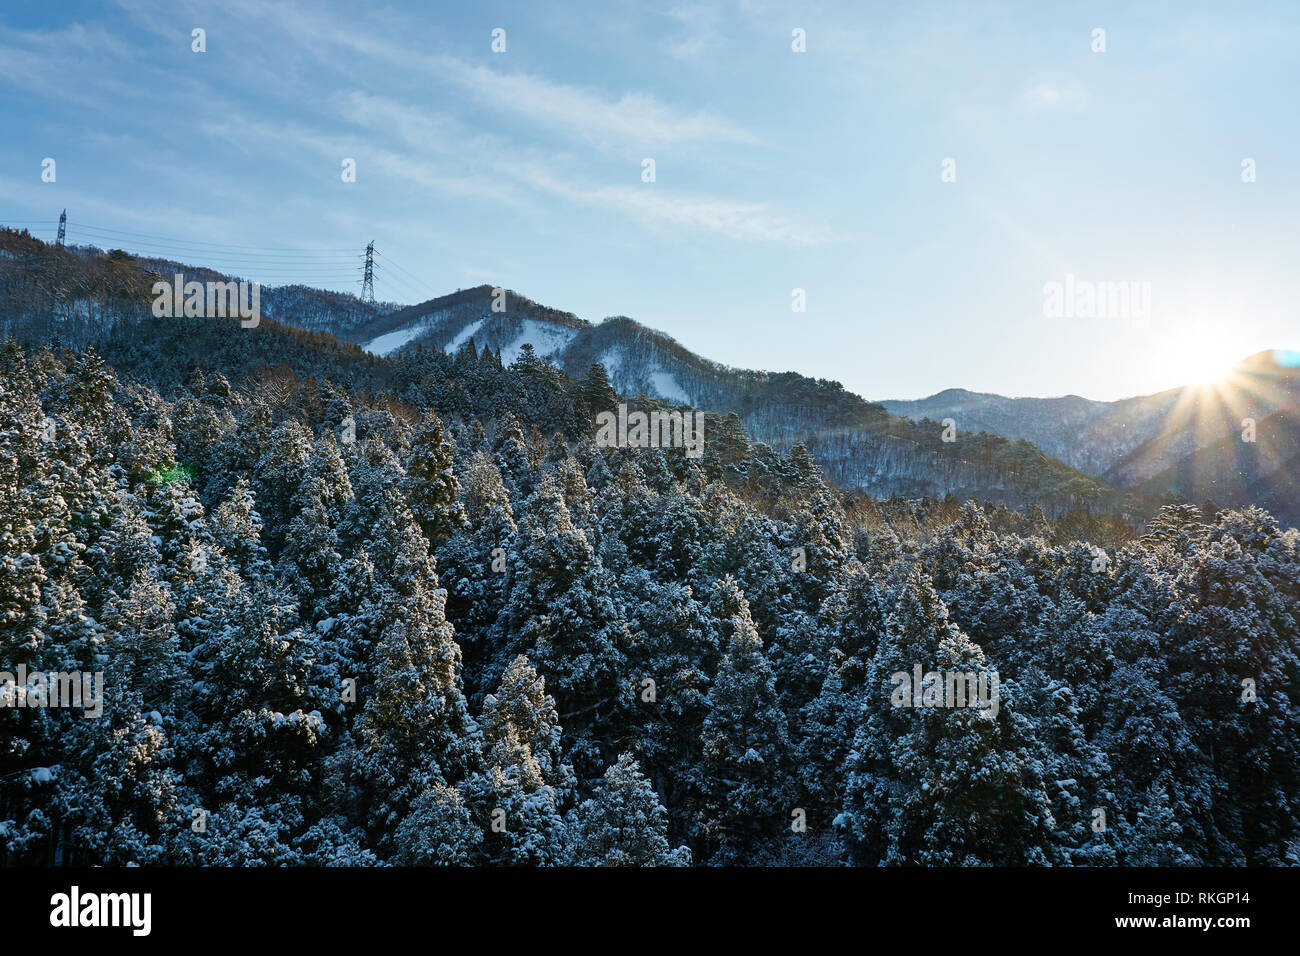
(923,172)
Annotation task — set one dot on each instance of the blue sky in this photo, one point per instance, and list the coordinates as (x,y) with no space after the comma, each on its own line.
(775,170)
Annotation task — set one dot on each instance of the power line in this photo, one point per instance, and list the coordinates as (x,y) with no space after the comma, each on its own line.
(218,263)
(349,273)
(196,258)
(201,242)
(403,285)
(284,265)
(218,251)
(420,283)
(272,267)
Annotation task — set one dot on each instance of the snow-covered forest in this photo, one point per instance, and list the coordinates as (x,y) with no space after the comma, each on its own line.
(352,611)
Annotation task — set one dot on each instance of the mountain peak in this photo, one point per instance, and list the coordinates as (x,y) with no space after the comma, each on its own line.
(1269,359)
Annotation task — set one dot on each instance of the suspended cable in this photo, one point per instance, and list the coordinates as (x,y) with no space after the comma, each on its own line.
(200,242)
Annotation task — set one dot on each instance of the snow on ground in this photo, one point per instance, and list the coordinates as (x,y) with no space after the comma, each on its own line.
(662,381)
(612,359)
(546,339)
(463,336)
(392,341)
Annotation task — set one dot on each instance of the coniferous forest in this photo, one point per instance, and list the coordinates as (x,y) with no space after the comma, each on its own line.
(448,449)
(342,622)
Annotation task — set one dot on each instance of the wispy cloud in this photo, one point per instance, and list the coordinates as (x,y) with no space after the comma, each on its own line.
(632,120)
(621,121)
(749,221)
(496,168)
(494,140)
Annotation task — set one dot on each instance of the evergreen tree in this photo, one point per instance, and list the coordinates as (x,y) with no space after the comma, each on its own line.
(744,762)
(431,484)
(624,825)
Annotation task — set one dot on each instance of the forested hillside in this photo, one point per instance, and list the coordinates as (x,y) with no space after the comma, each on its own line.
(1228,443)
(355,611)
(59,295)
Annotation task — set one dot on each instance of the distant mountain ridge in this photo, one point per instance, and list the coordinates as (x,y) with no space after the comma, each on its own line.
(1229,444)
(1086,434)
(1062,453)
(858,443)
(638,360)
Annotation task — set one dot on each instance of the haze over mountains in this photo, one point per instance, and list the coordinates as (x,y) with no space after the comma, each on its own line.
(1232,442)
(1192,442)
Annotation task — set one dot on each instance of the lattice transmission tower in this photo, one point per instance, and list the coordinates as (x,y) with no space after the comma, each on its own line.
(368,280)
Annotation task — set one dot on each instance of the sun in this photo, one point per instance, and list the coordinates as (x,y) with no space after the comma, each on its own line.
(1196,356)
(1206,363)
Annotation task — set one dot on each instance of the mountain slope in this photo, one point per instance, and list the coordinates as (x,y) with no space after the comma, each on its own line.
(1185,442)
(1089,435)
(857,442)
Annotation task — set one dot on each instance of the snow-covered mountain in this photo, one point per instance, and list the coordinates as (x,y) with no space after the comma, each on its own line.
(1232,443)
(1089,435)
(1061,452)
(777,407)
(1181,441)
(637,359)
(858,443)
